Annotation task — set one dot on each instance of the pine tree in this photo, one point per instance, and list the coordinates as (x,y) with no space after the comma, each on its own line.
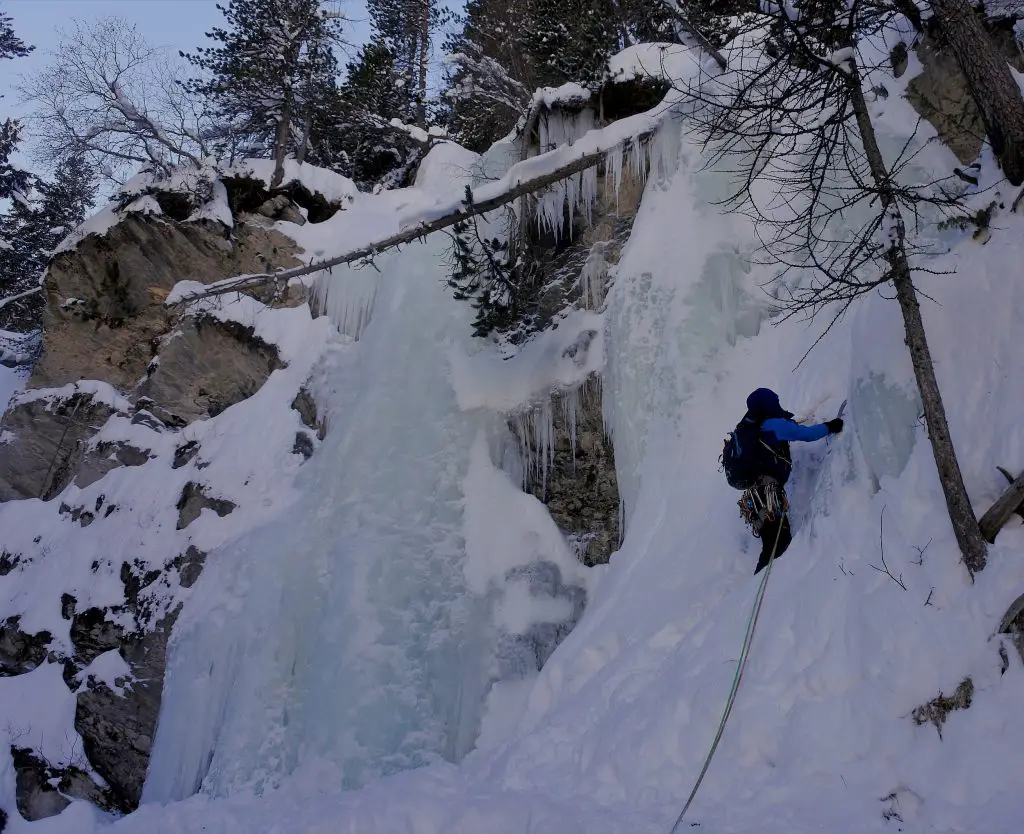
(407,27)
(488,272)
(267,75)
(14,182)
(34,226)
(11,46)
(362,144)
(491,73)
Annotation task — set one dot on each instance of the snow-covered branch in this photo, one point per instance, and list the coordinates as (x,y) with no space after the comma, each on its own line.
(19,296)
(526,177)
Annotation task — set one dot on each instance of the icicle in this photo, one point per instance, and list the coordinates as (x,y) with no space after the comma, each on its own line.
(593,275)
(347,296)
(588,192)
(570,413)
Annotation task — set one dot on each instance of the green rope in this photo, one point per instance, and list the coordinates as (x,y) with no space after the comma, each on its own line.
(744,653)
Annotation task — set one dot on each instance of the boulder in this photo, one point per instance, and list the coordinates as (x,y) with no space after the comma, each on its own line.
(207,365)
(47,444)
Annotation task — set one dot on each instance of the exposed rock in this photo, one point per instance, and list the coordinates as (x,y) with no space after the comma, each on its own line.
(20,652)
(1013,624)
(189,566)
(281,208)
(937,710)
(92,634)
(579,486)
(8,562)
(135,577)
(309,413)
(544,580)
(303,445)
(86,517)
(117,730)
(207,366)
(185,453)
(120,280)
(247,195)
(142,417)
(49,444)
(194,500)
(941,95)
(98,460)
(36,798)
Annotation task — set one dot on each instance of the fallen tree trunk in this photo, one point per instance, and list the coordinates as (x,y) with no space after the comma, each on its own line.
(12,298)
(999,513)
(446,218)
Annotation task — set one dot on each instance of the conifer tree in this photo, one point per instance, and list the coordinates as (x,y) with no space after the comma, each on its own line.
(34,226)
(407,27)
(267,75)
(14,182)
(490,72)
(362,143)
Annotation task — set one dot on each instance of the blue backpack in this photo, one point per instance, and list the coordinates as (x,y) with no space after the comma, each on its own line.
(745,456)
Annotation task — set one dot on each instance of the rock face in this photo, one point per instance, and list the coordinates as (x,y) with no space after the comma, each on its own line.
(105,321)
(117,729)
(46,444)
(207,366)
(104,299)
(20,652)
(579,485)
(941,95)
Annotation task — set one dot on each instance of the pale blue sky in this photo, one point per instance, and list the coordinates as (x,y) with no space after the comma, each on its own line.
(177,24)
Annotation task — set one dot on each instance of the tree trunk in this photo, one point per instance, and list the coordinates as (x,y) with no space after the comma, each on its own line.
(958,504)
(424,63)
(307,129)
(281,141)
(992,85)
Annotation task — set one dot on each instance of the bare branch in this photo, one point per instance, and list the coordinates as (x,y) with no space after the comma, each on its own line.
(881,545)
(109,96)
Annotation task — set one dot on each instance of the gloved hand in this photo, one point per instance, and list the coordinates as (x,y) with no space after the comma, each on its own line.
(834,426)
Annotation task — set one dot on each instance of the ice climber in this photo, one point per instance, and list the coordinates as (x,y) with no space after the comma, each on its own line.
(757,460)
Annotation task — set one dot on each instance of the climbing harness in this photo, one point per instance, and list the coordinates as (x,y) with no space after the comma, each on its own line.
(764,501)
(744,654)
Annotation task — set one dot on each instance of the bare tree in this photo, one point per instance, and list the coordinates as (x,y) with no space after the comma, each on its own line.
(110,97)
(791,120)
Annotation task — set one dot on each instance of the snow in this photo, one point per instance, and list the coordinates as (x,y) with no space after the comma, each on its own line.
(568,94)
(334,187)
(108,668)
(561,357)
(379,619)
(102,393)
(666,61)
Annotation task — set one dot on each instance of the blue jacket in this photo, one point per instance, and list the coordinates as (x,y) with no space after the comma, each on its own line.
(777,432)
(782,428)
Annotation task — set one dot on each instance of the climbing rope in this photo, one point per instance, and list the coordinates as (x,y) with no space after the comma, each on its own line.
(744,653)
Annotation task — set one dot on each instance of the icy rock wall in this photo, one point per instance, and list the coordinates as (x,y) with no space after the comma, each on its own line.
(365,629)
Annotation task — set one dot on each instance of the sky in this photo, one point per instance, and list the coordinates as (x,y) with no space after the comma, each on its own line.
(174,24)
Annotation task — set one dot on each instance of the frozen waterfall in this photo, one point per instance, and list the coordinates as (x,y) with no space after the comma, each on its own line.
(347,631)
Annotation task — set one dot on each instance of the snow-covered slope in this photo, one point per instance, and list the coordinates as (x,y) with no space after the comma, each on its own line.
(611,734)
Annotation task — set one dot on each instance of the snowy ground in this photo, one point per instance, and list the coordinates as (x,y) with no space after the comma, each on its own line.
(611,734)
